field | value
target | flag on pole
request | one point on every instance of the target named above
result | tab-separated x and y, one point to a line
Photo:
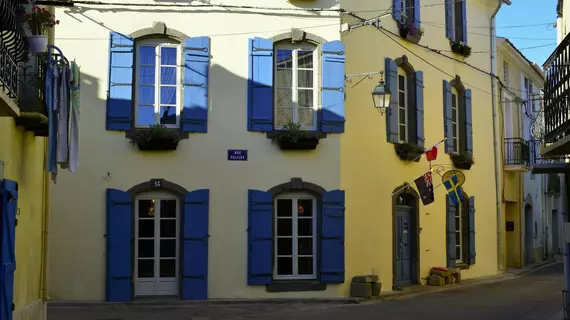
453	189
425	188
431	153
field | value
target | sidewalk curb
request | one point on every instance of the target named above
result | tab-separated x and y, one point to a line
182	304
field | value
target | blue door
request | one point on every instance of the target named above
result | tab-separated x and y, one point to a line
8	207
404	261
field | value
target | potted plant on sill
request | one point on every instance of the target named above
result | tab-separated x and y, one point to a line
410	32
462	160
408	151
157	137
293	137
461	48
38	21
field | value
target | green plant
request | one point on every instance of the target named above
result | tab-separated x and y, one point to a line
155	132
461	48
408	147
465	158
38	20
291	131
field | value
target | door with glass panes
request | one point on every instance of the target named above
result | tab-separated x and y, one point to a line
156	245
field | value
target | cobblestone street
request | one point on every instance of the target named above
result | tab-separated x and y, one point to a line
536	296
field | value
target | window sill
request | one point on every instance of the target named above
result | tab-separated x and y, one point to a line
295	286
410	34
462	266
148	142
460	49
309	142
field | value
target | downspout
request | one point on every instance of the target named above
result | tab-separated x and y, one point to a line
497	168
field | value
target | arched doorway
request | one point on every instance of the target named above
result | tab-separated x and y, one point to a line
405	238
156	244
528	235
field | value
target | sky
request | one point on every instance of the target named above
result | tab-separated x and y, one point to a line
520	19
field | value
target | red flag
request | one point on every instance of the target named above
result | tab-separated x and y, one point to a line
431	153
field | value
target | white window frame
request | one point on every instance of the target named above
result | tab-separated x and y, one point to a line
295	197
406	107
295	79
158	44
459	214
455	125
156	197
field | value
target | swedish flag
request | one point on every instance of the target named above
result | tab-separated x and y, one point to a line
454	190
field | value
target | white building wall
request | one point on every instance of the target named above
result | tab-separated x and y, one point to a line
77	235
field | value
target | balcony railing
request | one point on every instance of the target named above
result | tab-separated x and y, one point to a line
547	164
557	92
517	152
13	47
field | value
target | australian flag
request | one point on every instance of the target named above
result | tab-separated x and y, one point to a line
425	188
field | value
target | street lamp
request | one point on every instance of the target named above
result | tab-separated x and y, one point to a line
381	97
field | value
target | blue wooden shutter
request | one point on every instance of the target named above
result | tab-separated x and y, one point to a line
420	109
468	122
260	238
332	113
119	284
450	231
8	208
447	117
396	10
464	20
449	25
195	245
120	89
260	85
471	223
196	72
332	237
392	113
417	14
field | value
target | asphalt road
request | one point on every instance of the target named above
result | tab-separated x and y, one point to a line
533	297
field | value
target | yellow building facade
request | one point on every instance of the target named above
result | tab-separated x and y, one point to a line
389	231
523	202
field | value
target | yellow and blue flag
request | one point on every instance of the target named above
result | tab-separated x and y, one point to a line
453	189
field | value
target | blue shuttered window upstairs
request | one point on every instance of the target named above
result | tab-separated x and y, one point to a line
8	207
123	79
261	105
330	236
401	9
456	20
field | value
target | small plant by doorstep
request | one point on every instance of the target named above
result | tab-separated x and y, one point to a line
462	160
461	48
157	137
293	137
408	151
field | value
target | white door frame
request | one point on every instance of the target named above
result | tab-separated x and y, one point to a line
156	286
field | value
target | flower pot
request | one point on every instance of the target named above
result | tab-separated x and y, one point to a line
301	144
462	165
157	144
403	31
38	43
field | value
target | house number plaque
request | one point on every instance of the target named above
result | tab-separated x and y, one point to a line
156	183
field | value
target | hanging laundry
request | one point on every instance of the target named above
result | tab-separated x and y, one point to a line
63	118
75	84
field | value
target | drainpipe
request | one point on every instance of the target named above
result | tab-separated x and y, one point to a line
497	168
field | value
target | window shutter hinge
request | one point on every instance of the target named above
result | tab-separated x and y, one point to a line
13	306
16	223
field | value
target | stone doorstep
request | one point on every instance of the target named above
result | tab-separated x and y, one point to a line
174	302
532	267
